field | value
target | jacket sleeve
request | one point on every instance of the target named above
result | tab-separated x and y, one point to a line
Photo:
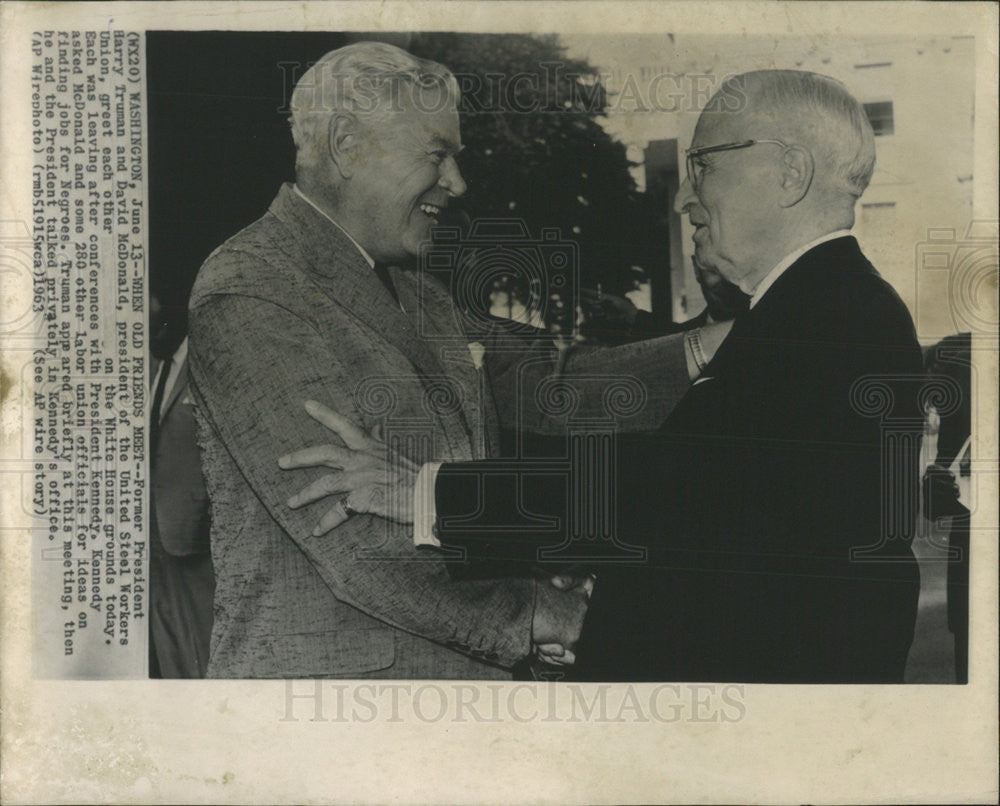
647	325
501	512
527	511
752	506
254	363
634	385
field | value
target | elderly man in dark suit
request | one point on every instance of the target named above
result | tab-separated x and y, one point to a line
776	503
315	301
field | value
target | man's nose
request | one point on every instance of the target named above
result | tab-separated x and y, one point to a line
685	196
451	178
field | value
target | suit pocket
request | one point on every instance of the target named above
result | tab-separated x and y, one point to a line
334	652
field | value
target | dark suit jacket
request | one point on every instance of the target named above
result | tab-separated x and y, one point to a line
775	505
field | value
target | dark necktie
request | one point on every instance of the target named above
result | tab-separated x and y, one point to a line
382	272
161	387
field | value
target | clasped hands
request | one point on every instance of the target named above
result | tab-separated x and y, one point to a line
368	476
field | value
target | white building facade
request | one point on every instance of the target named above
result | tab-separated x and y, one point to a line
918	93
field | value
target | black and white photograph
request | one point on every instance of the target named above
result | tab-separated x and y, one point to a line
660	510
512	374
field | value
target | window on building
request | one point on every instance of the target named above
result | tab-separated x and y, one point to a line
880	116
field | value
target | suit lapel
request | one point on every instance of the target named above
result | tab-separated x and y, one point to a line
349	282
437	317
352	285
837	256
759	325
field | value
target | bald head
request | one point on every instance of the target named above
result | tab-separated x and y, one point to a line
806	109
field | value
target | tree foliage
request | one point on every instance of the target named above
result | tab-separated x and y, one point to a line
535	149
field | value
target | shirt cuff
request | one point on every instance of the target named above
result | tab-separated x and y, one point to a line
424	509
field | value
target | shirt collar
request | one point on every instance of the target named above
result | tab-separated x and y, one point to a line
788	260
180	354
177	357
176	361
322	212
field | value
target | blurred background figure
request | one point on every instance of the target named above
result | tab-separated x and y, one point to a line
181	579
516	299
946	482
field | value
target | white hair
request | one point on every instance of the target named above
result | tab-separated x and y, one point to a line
364	79
817	110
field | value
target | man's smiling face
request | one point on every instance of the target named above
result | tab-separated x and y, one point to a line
406	174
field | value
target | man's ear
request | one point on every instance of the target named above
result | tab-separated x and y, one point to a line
342	140
797	170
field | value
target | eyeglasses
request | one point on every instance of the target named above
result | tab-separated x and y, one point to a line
695	171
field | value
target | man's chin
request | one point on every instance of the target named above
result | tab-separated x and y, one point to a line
704	258
713	263
416	243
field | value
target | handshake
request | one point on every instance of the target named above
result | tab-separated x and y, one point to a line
560	607
365	468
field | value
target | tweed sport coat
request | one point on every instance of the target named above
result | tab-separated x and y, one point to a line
286	311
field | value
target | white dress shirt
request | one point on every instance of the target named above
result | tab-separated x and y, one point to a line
176	362
424	509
